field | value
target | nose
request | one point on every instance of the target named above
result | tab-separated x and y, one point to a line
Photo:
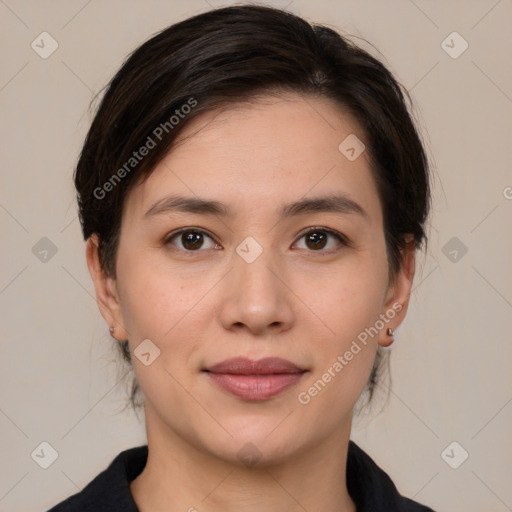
255	297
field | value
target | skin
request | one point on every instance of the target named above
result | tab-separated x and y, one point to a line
303	304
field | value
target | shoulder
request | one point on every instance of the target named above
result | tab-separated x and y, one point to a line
110	490
372	489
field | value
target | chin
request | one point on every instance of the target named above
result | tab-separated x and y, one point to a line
255	441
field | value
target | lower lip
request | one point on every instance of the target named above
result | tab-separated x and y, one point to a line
255	387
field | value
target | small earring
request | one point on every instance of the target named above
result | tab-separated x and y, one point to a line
112	330
391	332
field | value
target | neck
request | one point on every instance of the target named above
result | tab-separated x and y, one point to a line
179	477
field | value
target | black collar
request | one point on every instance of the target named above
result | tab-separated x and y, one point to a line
371	488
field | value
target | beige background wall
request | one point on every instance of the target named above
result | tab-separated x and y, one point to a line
451	362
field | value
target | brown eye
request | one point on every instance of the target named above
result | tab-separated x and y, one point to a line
191	240
317	239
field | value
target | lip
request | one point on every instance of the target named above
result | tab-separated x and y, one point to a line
245	366
255	380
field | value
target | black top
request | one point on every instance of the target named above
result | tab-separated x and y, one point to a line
371	488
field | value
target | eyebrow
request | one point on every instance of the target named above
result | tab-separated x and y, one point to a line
333	203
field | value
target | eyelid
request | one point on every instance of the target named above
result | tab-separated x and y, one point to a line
331	231
341	238
168	238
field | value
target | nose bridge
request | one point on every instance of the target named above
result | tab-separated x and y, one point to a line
253	268
253	275
255	296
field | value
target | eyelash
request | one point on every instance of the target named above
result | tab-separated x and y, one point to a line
341	238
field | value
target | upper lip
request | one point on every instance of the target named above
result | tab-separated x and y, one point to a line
265	366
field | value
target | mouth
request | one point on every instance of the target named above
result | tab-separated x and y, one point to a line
255	380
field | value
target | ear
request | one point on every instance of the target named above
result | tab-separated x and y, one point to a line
106	289
398	294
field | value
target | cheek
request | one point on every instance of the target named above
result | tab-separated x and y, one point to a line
161	308
153	299
343	358
349	304
347	300
354	342
166	306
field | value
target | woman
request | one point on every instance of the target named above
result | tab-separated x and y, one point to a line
252	192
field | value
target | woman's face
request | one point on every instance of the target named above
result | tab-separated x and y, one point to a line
278	274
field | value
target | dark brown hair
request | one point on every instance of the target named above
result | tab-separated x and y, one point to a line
232	55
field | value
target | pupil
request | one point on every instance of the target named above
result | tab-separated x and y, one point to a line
192	240
317	239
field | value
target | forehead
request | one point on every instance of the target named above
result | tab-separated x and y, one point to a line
267	151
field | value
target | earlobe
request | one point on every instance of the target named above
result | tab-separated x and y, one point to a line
398	295
105	287
390	338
